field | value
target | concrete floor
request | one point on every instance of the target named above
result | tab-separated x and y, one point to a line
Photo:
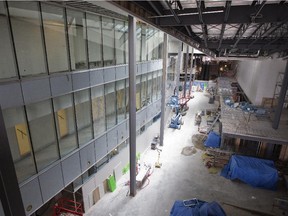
184	177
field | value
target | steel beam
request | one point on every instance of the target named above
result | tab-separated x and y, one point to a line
203	25
227	11
154	7
173	12
163	90
281	99
132	102
271	13
10	194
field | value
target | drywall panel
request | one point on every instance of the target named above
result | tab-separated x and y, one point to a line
51	182
36	90
61	84
101	147
120	72
96	77
81	80
257	78
71	168
87	157
11	95
109	74
31	196
112	139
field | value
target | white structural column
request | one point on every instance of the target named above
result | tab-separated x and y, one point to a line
186	70
163	90
191	72
132	102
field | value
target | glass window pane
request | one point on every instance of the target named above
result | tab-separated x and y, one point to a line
149	36
55	39
138	93
83	116
138	42
120	41
143	43
110	104
149	88
144	90
26	26
126	43
108	41
94	40
19	141
127	97
121	108
98	110
154	83
77	39
155	45
65	123
160	44
159	84
7	69
43	135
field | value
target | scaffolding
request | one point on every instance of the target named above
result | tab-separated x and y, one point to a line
66	207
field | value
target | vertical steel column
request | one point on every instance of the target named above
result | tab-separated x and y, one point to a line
191	72
163	90
281	99
186	69
178	67
10	194
132	102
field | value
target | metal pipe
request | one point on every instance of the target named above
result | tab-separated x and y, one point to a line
10	195
132	102
163	90
178	67
281	99
186	70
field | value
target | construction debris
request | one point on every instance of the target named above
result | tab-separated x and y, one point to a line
197	140
188	150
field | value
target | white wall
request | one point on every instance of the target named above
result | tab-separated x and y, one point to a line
257	78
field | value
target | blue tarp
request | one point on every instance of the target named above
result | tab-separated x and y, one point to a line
253	171
213	140
195	207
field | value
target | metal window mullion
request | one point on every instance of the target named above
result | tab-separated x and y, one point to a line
114	41
67	39
102	48
86	42
12	40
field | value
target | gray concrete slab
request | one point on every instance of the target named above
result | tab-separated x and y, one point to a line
182	177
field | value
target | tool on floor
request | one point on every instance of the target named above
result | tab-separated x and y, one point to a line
158	164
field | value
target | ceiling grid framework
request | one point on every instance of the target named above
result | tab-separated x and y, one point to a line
228	28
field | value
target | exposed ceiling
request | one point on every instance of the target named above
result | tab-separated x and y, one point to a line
227	28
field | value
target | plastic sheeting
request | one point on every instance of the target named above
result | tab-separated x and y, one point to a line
213	140
253	171
195	207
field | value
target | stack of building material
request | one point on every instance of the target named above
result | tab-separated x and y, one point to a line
218	158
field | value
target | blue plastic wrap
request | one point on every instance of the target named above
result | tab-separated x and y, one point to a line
195	207
253	171
213	140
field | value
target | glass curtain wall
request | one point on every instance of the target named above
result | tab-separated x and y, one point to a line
120	39
110	105
121	108
138	41
83	116
143	90
43	134
108	31
126	42
159	84
76	25
149	88
154	84
28	38
143	42
98	110
7	60
65	123
94	35
127	96
55	38
19	141
149	38
138	93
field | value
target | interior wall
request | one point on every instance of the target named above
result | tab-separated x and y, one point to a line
258	78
